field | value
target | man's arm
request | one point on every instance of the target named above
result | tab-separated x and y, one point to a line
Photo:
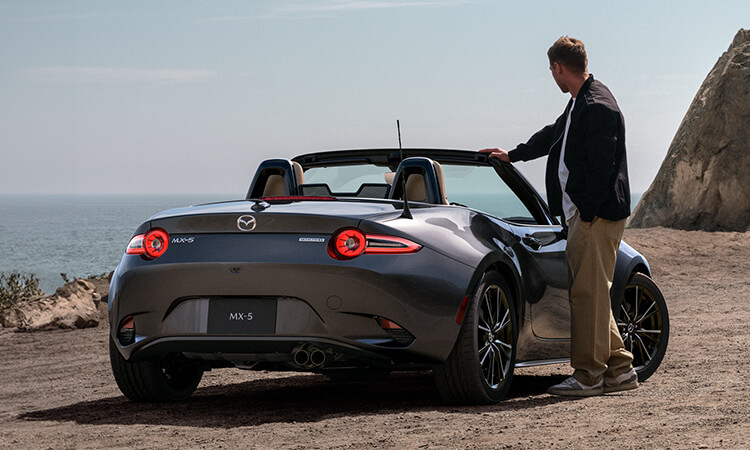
537	146
498	153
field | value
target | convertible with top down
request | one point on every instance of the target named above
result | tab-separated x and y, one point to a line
357	263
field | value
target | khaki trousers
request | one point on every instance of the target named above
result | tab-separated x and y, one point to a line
596	347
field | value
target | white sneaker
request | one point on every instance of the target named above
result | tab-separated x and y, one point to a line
574	388
622	382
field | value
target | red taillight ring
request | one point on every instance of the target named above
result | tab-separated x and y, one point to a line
151	245
155	243
348	243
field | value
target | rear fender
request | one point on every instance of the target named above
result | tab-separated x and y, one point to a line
507	266
628	262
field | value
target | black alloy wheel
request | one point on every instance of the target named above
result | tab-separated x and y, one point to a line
643	322
480	367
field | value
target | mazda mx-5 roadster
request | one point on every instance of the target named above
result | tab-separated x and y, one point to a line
354	264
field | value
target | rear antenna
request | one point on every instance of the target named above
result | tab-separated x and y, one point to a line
407	212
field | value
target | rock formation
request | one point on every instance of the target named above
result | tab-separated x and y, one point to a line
75	305
704	181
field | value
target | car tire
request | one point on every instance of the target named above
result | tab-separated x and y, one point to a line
479	369
165	379
643	321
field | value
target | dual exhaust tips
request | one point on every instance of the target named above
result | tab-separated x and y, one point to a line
309	357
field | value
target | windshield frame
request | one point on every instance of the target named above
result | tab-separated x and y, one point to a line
391	158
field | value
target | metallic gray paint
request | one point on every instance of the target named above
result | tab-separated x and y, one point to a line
422	292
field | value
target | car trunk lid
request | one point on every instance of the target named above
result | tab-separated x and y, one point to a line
284	217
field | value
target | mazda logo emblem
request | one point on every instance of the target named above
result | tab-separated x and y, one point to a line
246	223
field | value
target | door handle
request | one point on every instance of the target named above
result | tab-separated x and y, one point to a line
532	242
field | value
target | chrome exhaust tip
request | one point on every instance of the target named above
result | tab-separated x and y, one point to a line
317	357
302	358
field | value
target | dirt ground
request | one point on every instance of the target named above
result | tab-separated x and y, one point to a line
57	391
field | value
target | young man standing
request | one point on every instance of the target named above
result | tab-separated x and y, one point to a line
587	184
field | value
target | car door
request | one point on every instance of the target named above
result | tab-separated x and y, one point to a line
542	251
509	200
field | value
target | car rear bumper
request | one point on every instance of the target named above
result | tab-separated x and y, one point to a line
334	305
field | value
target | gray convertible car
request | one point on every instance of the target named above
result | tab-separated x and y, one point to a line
354	264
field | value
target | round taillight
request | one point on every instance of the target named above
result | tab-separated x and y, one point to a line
155	243
348	243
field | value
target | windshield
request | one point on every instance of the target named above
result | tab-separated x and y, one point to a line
480	188
476	187
343	180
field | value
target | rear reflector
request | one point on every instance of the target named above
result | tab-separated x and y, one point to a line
387	324
462	310
402	337
126	333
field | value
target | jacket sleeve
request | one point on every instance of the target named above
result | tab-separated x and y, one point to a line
600	127
537	146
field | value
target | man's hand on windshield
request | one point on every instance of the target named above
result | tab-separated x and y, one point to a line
498	153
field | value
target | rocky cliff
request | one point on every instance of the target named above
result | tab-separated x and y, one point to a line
704	181
78	304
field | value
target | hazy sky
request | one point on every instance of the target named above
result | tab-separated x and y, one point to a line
189	96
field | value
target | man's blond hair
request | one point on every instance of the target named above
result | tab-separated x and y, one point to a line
569	52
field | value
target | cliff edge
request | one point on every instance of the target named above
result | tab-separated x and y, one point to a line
704	181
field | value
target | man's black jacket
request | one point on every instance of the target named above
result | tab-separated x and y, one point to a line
595	156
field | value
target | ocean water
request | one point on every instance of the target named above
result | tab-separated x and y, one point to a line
79	235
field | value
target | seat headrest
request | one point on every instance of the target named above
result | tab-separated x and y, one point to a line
274	186
428	175
276	177
415	188
441	181
299	174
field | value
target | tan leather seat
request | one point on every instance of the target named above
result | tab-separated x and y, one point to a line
274	186
275	183
299	174
416	185
415	188
440	181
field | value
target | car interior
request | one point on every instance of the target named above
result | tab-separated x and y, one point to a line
424	182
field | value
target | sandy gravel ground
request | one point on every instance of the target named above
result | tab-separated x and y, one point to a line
56	389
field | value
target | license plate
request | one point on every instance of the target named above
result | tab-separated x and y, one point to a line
242	316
